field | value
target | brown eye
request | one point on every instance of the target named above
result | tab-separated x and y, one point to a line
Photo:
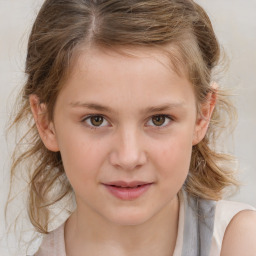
96	120
158	120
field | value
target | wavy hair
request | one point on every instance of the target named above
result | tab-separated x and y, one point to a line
180	28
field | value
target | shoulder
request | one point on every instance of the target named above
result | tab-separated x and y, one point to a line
240	235
229	219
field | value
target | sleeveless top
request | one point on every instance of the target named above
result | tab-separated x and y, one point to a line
201	228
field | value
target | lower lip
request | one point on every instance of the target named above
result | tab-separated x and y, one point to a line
128	193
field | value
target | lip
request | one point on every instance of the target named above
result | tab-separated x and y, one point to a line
128	190
125	184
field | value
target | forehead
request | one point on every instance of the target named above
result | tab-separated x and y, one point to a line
141	74
168	56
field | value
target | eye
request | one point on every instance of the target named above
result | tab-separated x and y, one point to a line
159	120
95	121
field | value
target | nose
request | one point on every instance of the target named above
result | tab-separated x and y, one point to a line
127	151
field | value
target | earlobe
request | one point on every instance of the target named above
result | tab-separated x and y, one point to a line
44	126
204	117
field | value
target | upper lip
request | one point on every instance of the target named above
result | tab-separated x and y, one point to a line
126	184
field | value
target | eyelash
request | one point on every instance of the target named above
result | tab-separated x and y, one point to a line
91	126
164	116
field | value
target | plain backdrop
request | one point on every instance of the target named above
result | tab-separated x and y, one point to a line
235	25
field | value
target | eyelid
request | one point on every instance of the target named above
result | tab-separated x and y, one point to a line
91	126
161	126
87	117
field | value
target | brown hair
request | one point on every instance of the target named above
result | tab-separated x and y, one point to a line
180	27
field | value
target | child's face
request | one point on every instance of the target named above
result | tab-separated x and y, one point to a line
127	119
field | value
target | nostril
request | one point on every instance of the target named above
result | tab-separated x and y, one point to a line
127	160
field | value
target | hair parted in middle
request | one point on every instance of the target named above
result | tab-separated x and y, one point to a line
179	28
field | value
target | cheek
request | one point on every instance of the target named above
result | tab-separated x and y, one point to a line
172	158
82	158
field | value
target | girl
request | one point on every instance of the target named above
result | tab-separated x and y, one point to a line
126	117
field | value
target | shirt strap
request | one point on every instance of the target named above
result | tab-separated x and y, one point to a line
198	227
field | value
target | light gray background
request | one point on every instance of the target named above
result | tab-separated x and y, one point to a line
235	24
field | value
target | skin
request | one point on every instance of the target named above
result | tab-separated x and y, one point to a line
240	235
128	92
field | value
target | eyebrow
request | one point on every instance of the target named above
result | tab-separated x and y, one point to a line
164	107
92	106
151	109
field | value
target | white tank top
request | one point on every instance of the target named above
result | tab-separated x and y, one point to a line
220	214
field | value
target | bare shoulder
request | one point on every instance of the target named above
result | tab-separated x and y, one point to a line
240	236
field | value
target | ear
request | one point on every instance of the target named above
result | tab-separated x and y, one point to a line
204	117
44	126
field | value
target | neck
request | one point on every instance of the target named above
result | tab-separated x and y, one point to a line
92	234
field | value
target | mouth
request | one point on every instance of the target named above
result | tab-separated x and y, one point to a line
124	184
127	187
128	190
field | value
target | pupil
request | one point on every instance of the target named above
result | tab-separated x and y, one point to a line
158	120
97	120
